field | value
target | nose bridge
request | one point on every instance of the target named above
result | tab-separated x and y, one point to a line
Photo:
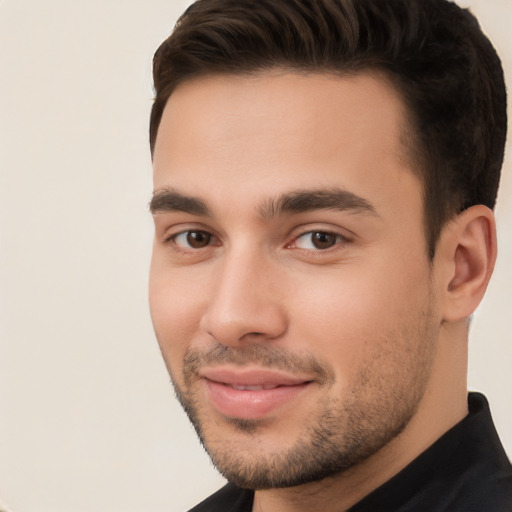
242	304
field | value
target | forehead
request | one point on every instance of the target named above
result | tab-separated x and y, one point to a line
266	130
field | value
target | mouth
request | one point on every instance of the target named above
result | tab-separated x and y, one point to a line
253	388
251	393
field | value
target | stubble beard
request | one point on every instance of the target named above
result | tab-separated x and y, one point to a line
341	435
341	439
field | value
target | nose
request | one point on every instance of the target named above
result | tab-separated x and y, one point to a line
244	305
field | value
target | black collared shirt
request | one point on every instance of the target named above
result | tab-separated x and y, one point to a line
465	470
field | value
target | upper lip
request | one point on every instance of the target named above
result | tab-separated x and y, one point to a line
253	376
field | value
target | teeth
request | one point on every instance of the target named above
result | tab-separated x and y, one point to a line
254	388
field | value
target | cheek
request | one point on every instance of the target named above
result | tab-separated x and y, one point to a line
176	308
353	315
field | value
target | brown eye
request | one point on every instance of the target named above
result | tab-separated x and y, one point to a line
198	239
318	240
322	240
193	239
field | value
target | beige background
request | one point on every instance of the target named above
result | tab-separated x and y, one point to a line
88	421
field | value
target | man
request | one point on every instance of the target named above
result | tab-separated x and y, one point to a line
324	178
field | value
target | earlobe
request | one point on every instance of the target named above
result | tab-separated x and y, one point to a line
468	255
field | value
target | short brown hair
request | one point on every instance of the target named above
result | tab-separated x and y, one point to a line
447	71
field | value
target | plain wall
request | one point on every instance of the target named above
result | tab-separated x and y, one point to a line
88	421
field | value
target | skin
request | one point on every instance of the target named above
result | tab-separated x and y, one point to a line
375	330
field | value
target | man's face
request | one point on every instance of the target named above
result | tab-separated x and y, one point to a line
290	288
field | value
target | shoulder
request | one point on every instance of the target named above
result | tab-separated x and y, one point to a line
478	474
466	470
229	498
492	494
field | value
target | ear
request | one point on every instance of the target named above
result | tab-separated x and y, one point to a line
467	253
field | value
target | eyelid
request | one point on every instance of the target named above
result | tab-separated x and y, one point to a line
311	247
343	237
306	230
169	230
170	235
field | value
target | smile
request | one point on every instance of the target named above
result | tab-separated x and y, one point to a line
252	393
253	388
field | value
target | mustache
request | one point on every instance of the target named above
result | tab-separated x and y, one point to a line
259	355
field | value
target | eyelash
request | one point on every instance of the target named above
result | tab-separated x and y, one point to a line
339	240
186	250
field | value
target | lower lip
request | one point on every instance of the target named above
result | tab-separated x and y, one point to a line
250	404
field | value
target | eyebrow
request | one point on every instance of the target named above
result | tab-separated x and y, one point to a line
294	202
169	200
302	201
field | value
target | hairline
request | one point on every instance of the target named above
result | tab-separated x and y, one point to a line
412	153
